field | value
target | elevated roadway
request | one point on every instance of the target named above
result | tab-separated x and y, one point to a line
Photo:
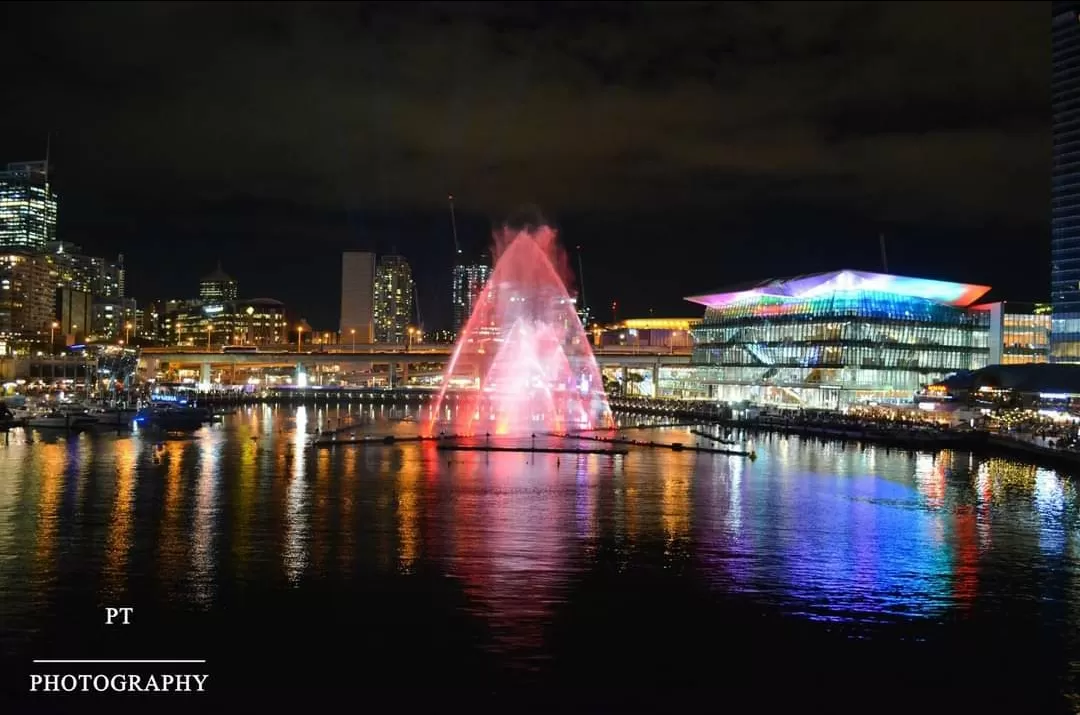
385	355
392	356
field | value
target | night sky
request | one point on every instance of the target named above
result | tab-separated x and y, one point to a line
683	147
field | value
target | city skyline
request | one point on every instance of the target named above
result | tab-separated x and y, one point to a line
883	143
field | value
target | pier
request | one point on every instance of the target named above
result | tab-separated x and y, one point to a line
550	450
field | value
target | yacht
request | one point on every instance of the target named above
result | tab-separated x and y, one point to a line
58	419
168	416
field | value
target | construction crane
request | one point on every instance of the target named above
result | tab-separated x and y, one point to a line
453	225
581	279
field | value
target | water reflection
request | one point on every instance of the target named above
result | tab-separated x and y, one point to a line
828	532
512	549
408	513
296	517
204	534
52	463
173	542
119	543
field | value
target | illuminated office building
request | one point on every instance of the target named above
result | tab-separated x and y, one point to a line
468	281
392	300
255	321
70	268
672	333
1019	332
827	340
1065	192
27	297
27	207
112	317
217	287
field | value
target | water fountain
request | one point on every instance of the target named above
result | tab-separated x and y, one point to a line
522	363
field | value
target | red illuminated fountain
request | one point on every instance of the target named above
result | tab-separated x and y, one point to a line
522	363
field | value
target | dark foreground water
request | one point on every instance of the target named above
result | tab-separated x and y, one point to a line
408	578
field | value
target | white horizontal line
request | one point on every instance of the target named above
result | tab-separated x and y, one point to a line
121	660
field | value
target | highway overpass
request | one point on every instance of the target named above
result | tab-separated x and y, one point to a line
394	357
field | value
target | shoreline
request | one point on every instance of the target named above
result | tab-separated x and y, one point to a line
897	438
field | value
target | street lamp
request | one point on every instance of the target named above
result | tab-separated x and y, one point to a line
209	331
299	333
52	337
353	332
127	333
250	311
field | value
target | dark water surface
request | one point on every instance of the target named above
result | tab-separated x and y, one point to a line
818	574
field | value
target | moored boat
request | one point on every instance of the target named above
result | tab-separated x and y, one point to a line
171	417
61	420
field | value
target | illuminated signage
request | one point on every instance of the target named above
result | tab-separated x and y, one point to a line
213	309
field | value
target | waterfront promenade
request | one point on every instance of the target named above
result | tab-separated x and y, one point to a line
915	435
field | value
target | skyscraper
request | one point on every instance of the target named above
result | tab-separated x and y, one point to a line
218	287
1065	213
393	300
27	207
468	281
357	293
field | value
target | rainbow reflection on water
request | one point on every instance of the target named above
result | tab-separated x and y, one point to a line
523	362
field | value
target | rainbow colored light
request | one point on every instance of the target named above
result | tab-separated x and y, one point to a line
821	285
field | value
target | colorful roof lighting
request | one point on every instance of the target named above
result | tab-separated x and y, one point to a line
819	285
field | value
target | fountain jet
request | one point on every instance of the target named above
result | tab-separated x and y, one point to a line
522	363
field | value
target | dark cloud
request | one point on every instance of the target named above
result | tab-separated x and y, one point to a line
897	113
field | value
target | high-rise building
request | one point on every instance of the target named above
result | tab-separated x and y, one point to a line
468	280
27	296
393	300
27	207
70	268
218	287
1065	213
74	312
114	319
357	294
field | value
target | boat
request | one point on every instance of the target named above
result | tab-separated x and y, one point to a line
61	420
113	418
166	416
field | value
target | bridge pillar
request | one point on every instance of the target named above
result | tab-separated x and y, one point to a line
204	374
404	373
390	374
625	380
656	378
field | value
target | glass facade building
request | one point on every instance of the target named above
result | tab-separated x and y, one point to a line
1019	332
1065	193
393	300
468	281
831	339
27	207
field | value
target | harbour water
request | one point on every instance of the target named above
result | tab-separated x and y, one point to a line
818	573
